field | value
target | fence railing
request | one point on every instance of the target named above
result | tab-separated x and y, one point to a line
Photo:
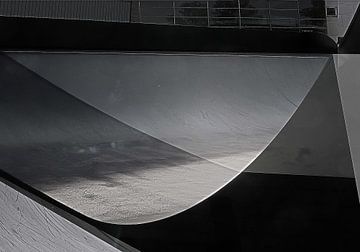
298	15
301	15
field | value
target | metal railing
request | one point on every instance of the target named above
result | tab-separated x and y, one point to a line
298	15
276	14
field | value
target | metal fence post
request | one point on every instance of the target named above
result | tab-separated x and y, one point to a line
208	13
298	9
139	6
239	14
269	6
174	12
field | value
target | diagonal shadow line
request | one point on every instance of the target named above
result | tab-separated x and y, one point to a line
167	143
113	118
179	147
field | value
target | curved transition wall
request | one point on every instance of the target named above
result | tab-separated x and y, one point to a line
173	128
221	108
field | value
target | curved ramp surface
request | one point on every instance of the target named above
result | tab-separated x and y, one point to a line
91	162
212	114
275	212
221	108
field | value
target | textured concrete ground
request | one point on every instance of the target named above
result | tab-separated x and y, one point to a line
26	225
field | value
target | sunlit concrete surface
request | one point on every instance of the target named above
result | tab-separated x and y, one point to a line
91	162
26	225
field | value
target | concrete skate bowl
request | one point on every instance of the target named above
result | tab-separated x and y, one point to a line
136	138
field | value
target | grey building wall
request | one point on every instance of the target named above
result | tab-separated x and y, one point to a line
99	10
337	26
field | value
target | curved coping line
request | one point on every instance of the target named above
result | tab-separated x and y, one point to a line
187	54
237	172
199	54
